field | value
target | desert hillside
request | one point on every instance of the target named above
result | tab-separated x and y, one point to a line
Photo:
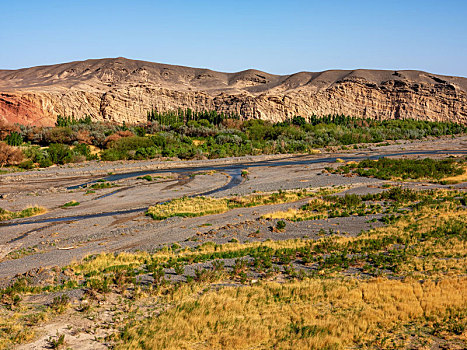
120	89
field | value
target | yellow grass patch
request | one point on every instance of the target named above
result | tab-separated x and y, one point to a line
288	214
299	214
94	149
199	142
188	207
106	260
458	178
309	314
13	331
199	206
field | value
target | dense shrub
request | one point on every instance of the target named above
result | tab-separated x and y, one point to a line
9	155
14	139
84	136
38	155
113	138
387	168
187	134
60	135
84	150
6	129
113	154
59	153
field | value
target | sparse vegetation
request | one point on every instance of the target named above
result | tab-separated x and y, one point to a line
388	202
70	204
57	342
145	177
200	206
280	225
31	211
101	184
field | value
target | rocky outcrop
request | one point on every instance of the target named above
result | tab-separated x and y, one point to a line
124	90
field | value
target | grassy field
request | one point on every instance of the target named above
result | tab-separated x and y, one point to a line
401	285
309	314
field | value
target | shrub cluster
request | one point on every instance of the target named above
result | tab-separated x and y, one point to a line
186	134
388	168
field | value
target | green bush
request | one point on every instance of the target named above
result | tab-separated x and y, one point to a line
59	153
113	154
387	168
83	150
14	139
27	164
280	225
132	143
60	135
45	162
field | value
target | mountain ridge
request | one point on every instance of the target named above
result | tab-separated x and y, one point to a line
120	89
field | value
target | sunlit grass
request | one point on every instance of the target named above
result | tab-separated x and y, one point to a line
30	211
407	289
309	314
200	206
188	207
456	179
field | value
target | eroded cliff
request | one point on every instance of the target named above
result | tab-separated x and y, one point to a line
124	90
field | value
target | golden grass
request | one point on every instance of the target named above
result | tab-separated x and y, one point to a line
14	331
188	207
300	214
100	262
200	206
309	314
289	214
199	142
27	212
457	179
105	260
330	313
427	219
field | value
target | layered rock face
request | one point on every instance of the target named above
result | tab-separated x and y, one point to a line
124	90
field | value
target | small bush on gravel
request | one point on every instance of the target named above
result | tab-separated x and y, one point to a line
280	225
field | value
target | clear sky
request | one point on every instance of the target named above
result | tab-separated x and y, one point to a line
274	36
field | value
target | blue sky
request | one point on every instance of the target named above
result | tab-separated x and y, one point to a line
275	36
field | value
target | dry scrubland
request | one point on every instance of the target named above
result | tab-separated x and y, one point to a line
398	286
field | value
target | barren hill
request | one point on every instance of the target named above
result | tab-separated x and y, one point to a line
120	89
